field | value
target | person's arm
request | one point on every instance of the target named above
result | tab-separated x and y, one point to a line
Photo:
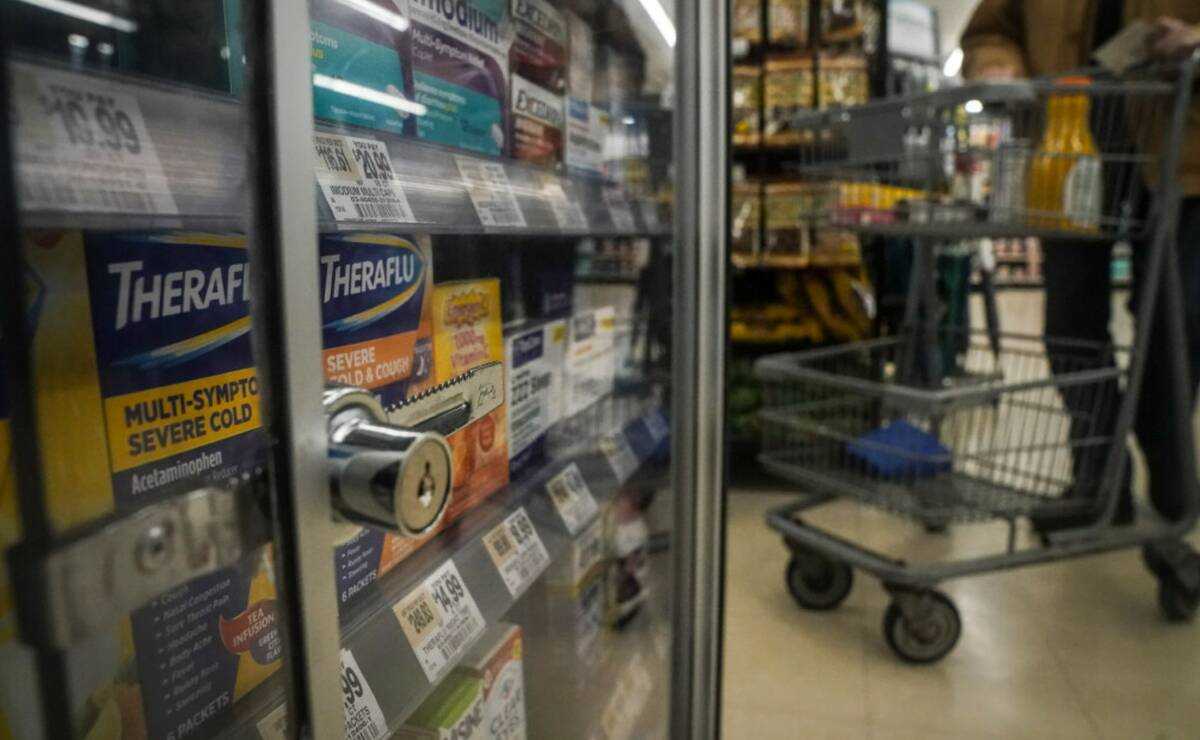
993	42
1173	39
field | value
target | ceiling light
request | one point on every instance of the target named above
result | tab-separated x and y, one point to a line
86	13
954	63
369	95
663	21
973	106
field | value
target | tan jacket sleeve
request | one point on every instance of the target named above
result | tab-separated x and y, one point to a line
995	37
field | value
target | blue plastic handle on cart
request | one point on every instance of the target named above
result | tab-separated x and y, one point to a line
901	449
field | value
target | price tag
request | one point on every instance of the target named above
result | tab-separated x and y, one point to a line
567	211
274	725
620	456
358	182
491	194
517	551
440	620
572	498
82	145
657	425
364	717
650	215
618	209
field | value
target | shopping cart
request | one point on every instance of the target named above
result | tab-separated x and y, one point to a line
948	427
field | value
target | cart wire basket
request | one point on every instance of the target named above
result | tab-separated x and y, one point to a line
946	428
1001	436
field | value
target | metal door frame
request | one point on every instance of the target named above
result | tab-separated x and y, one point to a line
698	397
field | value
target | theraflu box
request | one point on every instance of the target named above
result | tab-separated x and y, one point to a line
356	57
537	123
539	50
373	288
460	72
142	342
145	388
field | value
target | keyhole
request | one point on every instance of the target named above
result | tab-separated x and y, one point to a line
425	494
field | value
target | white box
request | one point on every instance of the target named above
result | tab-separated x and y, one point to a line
587	131
535	357
497	660
590	366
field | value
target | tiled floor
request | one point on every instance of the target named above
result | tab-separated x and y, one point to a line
1074	650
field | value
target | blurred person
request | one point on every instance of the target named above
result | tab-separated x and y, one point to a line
1008	39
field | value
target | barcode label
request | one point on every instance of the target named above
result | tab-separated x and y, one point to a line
567	211
572	498
82	145
358	182
441	620
364	717
620	456
517	551
491	193
618	210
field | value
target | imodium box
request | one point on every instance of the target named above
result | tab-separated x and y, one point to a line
590	362
535	360
460	72
373	289
537	123
357	59
539	50
146	388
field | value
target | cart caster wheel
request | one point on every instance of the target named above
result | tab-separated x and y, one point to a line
929	631
817	582
1177	602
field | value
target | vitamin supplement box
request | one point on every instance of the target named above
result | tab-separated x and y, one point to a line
590	359
535	363
483	699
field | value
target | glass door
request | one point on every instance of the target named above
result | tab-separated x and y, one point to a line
339	345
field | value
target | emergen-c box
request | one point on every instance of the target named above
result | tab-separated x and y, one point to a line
146	388
535	363
482	699
590	359
373	290
357	59
537	123
460	72
539	50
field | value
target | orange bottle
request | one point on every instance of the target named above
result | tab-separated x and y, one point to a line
1064	187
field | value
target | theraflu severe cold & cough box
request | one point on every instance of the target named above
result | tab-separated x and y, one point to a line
460	72
374	289
145	387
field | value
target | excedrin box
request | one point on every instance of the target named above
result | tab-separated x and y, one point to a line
146	388
373	290
355	53
581	67
590	361
460	72
535	362
539	50
537	123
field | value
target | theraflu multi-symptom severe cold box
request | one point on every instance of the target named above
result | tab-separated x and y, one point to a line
357	60
145	387
142	342
373	290
460	72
